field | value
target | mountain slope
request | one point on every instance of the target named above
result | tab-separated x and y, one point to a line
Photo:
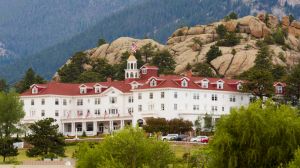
156	19
29	26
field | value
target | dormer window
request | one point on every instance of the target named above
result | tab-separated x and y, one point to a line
239	87
34	90
204	84
184	83
97	89
220	85
83	90
144	71
279	89
153	83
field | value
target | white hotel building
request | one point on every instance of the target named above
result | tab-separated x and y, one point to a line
103	107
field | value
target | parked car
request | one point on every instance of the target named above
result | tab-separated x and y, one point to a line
202	139
169	137
180	138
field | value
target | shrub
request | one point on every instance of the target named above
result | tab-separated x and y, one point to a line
213	53
230	39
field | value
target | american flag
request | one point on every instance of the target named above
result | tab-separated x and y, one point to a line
133	47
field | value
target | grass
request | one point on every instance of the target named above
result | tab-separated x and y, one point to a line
179	150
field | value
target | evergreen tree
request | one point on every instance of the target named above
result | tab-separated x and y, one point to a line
147	51
7	148
165	61
45	139
259	78
221	31
90	76
213	53
101	41
293	84
203	70
3	86
29	79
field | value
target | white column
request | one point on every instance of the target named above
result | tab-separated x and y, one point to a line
73	128
95	128
122	124
84	126
111	126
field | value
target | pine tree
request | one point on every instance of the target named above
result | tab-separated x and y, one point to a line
165	61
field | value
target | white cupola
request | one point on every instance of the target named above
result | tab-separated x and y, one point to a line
132	71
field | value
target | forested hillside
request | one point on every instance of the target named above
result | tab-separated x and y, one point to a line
156	19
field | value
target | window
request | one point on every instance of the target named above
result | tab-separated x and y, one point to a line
144	71
32	113
279	89
223	108
79	102
113	111
184	83
239	86
242	98
140	96
204	84
162	106
43	113
214	97
140	108
78	127
175	95
153	83
34	90
97	100
97	89
220	85
56	113
232	98
130	110
151	95
151	107
130	99
113	100
214	108
97	112
89	126
196	107
175	107
32	102
83	90
56	102
196	96
64	102
43	102
162	95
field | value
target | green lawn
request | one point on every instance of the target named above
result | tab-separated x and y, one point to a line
178	149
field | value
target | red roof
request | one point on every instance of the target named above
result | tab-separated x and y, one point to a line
163	81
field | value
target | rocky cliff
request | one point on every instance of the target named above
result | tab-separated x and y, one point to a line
182	44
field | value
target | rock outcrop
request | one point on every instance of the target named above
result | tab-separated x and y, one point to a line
184	45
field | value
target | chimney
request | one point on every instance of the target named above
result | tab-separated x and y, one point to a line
189	73
108	79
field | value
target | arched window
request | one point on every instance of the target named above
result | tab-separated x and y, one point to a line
153	83
131	65
131	75
127	75
184	83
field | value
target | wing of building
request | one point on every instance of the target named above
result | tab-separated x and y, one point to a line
107	106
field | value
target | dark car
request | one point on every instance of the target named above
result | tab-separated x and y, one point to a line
180	138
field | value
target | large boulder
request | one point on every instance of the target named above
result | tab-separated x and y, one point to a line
195	30
231	25
294	28
285	21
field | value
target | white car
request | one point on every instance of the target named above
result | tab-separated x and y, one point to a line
202	139
169	137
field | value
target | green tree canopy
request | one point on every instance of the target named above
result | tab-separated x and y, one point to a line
129	148
221	31
29	78
46	140
101	41
293	83
4	87
11	112
203	70
257	136
165	61
213	53
148	51
155	125
260	78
